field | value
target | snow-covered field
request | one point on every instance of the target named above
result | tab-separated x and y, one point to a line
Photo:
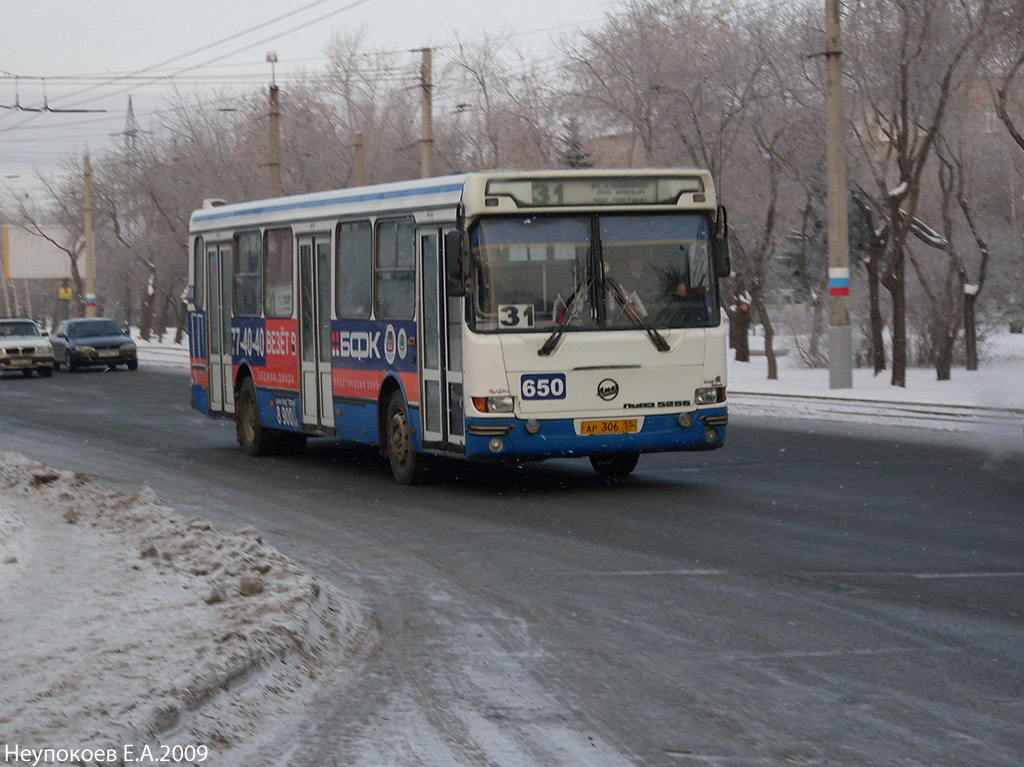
126	626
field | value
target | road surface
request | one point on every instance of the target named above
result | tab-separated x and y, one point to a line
802	596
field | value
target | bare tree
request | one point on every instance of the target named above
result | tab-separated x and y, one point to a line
909	59
498	110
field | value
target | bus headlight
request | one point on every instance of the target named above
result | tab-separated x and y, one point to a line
493	404
709	395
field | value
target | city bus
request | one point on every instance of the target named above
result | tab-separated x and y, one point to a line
492	316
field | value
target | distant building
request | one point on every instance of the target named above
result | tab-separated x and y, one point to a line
26	255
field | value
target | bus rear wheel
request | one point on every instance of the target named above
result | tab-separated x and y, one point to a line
408	466
254	438
612	466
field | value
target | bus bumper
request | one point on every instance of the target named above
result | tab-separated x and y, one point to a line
508	438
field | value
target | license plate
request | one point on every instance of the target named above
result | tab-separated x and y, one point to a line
20	363
618	426
108	354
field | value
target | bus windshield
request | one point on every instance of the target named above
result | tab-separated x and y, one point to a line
584	272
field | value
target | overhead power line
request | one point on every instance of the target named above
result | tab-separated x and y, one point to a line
200	49
234	52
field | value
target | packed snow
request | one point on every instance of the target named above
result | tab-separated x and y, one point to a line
126	627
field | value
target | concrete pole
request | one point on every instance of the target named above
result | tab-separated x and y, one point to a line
360	161
5	271
90	243
427	122
840	349
275	144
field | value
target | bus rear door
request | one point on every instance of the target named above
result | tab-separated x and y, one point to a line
315	329
221	383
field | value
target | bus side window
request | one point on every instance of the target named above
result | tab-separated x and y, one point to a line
248	271
396	268
354	270
277	296
198	274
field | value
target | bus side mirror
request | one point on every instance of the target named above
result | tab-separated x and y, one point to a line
720	255
720	245
453	263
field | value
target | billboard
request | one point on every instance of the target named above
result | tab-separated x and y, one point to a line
28	255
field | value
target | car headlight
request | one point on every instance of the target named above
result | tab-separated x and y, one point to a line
128	347
709	395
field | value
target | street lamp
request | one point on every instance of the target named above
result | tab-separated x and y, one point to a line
272	59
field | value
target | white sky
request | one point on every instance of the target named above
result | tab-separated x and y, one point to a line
59	39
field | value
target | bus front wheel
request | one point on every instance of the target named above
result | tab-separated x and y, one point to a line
254	438
407	465
612	466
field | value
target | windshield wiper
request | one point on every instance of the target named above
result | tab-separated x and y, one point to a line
571	308
633	308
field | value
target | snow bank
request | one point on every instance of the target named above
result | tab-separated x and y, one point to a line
125	624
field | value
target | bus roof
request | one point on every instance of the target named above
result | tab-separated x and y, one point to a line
364	199
445	191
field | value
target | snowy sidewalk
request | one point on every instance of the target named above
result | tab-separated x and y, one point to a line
988	402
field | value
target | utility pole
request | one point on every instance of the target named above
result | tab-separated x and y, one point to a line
427	122
840	341
131	132
90	243
360	161
275	139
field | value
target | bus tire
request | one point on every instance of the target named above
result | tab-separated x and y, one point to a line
252	435
612	466
407	465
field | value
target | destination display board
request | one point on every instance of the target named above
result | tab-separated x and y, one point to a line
636	190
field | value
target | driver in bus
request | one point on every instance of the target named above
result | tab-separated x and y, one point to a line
641	276
638	282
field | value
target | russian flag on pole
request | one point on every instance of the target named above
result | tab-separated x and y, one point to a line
839	282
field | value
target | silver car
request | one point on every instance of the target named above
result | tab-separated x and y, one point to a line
24	348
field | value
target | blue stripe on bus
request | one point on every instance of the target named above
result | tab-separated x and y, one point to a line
557	438
203	217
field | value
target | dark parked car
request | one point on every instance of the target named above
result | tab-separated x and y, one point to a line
23	347
92	341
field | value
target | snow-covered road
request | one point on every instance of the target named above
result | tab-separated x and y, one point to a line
125	625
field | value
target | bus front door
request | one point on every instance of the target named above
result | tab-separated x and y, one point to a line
440	350
221	383
315	329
